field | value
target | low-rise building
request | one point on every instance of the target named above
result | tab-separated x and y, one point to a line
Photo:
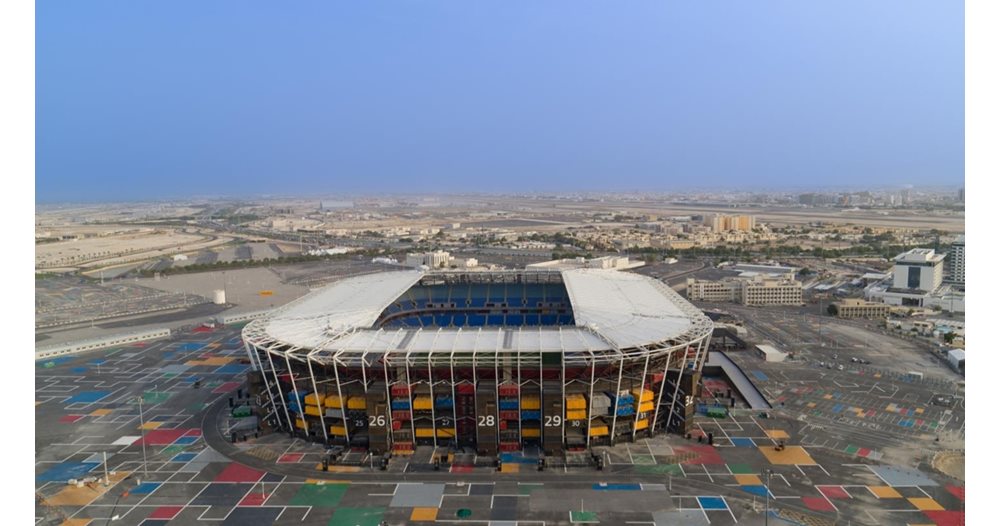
856	308
706	290
766	291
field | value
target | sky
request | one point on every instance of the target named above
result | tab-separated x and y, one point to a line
163	100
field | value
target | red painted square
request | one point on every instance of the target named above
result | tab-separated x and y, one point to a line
870	413
254	498
239	473
160	437
833	492
818	504
461	469
864	452
202	329
166	512
69	419
958	491
946	518
140	344
226	387
706	455
193	433
920	422
290	458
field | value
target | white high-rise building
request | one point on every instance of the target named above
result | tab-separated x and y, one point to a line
956	262
919	269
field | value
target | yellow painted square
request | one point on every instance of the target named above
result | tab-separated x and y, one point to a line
792	455
920	410
192	363
510	468
811	404
748	480
925	504
424	514
100	412
828	397
885	492
216	361
777	434
151	425
76	522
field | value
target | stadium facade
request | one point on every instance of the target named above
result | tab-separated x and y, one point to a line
496	360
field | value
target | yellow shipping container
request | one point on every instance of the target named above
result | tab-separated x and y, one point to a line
338	430
645	407
299	423
531	402
576	414
424	432
576	401
314	399
642	424
333	402
356	402
446	432
312	410
598	431
422	403
531	432
646	396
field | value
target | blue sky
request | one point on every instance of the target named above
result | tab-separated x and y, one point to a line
139	100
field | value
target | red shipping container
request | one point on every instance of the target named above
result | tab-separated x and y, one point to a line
508	415
503	425
466	389
396	424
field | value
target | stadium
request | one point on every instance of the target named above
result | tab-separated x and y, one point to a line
491	360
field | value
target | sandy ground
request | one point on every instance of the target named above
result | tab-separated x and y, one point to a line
243	287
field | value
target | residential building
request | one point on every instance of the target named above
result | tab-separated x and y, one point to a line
956	263
762	290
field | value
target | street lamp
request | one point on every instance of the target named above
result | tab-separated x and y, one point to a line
142	431
767	492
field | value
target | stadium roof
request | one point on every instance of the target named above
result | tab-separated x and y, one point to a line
613	310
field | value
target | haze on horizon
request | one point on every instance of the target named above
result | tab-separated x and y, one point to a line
153	101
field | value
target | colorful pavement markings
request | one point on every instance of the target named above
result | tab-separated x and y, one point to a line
617	487
577	517
884	492
747	480
236	472
64	471
926	504
741	469
145	488
70	419
155	397
743	442
510	468
357	517
165	512
706	455
150	425
226	387
759	490
958	491
833	492
290	458
84	495
254	498
100	412
183	457
160	437
87	397
792	455
818	504
424	514
712	503
319	495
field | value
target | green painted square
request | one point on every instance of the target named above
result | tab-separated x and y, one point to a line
319	495
643	459
169	375
526	489
663	469
934	425
583	516
742	469
357	517
851	449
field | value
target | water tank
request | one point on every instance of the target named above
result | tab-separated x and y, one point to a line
219	297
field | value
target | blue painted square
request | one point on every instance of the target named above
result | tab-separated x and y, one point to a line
617	487
838	408
759	490
759	375
145	488
743	442
183	457
160	418
78	370
66	470
100	361
232	369
183	441
87	397
712	503
190	347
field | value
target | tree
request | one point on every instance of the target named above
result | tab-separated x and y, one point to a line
949	337
831	309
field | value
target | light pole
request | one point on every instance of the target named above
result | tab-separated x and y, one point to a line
767	493
142	431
